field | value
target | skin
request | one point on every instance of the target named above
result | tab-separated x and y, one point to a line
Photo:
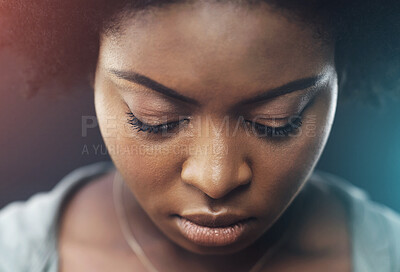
204	52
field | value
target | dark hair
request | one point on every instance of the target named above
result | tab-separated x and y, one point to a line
60	38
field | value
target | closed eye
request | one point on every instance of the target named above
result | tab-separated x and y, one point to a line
271	131
159	128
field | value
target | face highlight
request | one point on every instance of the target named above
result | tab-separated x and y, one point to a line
189	90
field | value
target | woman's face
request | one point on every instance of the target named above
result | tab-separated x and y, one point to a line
210	70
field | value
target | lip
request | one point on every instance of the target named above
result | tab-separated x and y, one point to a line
213	230
213	220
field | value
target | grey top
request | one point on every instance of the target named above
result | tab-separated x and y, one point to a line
28	229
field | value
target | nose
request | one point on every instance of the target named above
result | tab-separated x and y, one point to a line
217	166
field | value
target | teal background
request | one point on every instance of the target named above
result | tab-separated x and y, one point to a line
364	148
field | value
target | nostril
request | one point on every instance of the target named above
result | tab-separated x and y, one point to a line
215	198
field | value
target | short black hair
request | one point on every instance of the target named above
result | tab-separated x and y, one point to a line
60	38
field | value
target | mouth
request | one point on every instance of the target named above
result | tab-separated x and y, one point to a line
213	230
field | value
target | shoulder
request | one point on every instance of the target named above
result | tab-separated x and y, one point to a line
27	228
375	228
95	199
23	227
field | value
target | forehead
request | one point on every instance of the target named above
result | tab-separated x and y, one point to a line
218	45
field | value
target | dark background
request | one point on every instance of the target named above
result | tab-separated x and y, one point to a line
41	141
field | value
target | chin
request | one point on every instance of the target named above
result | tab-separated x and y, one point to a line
215	250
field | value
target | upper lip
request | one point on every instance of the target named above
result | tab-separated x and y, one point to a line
215	220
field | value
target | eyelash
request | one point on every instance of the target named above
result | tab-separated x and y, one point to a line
161	128
285	130
262	130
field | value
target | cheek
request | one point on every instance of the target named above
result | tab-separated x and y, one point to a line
281	168
148	167
150	171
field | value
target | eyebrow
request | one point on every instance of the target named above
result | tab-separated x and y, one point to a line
154	85
296	85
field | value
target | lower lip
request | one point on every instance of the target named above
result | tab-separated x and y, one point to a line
212	236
